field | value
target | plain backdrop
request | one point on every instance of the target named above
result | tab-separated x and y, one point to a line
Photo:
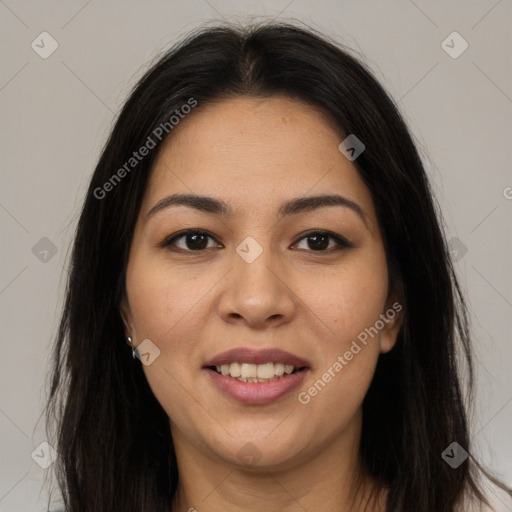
57	110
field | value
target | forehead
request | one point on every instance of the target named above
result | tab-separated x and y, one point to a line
252	151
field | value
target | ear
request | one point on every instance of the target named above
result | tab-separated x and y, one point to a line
126	316
392	317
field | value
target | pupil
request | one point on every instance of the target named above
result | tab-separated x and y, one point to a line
318	245
194	244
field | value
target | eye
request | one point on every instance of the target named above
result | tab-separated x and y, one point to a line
196	240
193	240
318	241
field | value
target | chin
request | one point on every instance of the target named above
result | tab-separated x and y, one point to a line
260	448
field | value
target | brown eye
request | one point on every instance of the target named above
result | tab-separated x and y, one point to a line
318	241
193	240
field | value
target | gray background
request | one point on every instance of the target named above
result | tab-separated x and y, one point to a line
57	112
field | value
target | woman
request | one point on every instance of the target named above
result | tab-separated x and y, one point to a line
261	232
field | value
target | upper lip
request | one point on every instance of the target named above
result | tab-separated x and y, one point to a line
253	356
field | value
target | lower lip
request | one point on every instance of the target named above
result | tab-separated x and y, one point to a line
257	392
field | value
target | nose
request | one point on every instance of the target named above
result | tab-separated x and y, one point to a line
259	294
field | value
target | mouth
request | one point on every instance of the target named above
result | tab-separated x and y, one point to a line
247	372
256	376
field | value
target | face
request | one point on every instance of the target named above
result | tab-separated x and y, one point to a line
302	284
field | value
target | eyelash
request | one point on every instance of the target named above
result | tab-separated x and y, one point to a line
170	241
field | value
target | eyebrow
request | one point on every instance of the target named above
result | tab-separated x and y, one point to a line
294	206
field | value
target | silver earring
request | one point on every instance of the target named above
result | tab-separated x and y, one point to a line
129	341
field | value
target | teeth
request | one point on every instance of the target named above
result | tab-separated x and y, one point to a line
235	370
265	371
246	372
279	369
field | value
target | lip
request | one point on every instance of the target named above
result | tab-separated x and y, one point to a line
257	392
252	356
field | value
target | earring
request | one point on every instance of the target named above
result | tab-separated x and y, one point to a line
129	341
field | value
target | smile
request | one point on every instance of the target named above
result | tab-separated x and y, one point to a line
247	372
252	376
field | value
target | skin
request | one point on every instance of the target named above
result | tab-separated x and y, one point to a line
256	153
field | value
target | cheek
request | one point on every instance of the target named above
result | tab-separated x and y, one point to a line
336	395
349	298
163	300
166	309
348	345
